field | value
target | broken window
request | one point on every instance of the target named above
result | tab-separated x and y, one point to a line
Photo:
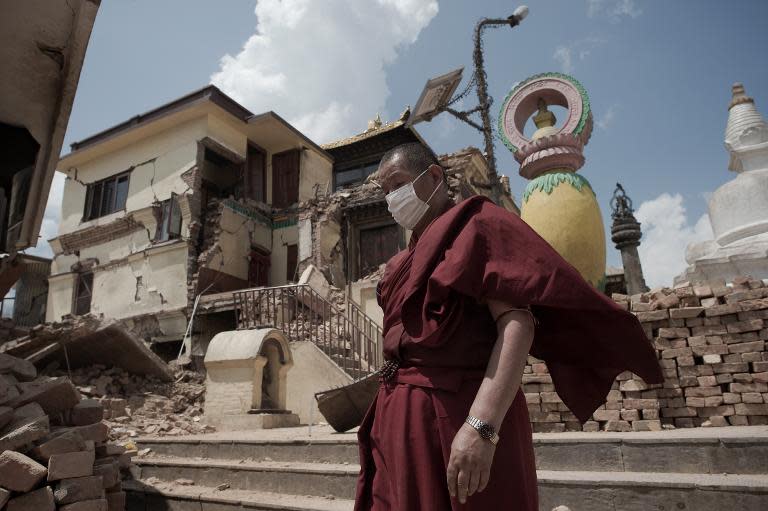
106	196
169	227
293	262
83	294
285	178
221	174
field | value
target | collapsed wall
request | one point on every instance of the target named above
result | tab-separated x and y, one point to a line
711	343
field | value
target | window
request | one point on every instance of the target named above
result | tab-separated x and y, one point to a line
377	245
258	268
169	225
293	262
285	179
354	176
106	196
83	294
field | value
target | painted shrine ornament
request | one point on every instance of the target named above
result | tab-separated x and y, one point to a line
567	146
558	203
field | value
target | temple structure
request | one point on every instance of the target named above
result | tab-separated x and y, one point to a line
738	210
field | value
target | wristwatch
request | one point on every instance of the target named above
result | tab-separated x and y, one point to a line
486	430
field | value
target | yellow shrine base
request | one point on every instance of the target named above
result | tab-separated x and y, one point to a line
562	208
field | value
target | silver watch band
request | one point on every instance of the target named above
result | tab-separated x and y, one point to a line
486	430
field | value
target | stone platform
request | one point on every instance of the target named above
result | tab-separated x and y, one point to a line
289	469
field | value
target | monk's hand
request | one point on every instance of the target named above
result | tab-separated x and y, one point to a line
470	464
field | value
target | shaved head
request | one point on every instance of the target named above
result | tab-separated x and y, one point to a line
413	156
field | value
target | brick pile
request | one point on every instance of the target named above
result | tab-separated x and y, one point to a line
54	452
137	405
711	343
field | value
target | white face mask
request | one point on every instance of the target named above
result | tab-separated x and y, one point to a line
406	207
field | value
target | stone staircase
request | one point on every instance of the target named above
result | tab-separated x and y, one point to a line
723	469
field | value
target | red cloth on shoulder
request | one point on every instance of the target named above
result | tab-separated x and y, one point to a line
480	250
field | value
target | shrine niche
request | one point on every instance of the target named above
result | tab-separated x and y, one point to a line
247	377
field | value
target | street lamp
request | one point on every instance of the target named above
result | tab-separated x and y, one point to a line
437	94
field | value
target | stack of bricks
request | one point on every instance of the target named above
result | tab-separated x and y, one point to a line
710	340
53	446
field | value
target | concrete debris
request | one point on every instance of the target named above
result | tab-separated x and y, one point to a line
84	341
53	446
140	405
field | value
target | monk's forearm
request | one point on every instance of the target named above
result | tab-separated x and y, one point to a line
505	368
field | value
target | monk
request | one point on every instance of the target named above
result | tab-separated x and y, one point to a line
474	293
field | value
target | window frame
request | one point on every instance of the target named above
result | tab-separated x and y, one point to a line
95	206
81	277
166	230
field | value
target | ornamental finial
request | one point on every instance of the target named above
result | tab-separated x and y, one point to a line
739	95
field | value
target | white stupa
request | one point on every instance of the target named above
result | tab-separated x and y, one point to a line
738	210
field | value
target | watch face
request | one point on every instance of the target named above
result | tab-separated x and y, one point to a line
486	431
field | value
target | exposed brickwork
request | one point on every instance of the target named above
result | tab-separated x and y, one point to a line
711	343
98	234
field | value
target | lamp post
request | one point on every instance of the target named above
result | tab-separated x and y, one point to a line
482	86
436	96
484	101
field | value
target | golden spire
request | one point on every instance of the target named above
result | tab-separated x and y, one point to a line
545	121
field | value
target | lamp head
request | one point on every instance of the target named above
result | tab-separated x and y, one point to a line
518	16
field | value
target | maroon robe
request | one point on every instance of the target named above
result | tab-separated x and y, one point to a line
435	323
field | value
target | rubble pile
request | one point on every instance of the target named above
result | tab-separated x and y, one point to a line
9	330
54	450
711	343
144	405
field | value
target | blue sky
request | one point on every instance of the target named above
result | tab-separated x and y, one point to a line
658	74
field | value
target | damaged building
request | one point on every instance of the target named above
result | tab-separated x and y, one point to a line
169	216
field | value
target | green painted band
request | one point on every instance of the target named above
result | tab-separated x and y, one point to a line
549	181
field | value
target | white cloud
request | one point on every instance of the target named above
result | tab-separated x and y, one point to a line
666	234
563	54
51	219
615	10
605	121
322	64
566	55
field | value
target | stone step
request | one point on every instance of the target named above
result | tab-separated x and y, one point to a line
291	478
713	451
145	497
580	490
642	491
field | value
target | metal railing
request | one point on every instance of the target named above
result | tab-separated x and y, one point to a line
350	338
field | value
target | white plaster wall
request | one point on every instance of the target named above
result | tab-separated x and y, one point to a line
363	293
238	234
281	238
116	293
60	295
228	132
174	150
163	283
312	372
314	169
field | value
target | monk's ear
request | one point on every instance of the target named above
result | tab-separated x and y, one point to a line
438	173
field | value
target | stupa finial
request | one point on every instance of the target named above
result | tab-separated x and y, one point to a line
739	95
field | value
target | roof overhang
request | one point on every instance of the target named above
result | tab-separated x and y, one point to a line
42	48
